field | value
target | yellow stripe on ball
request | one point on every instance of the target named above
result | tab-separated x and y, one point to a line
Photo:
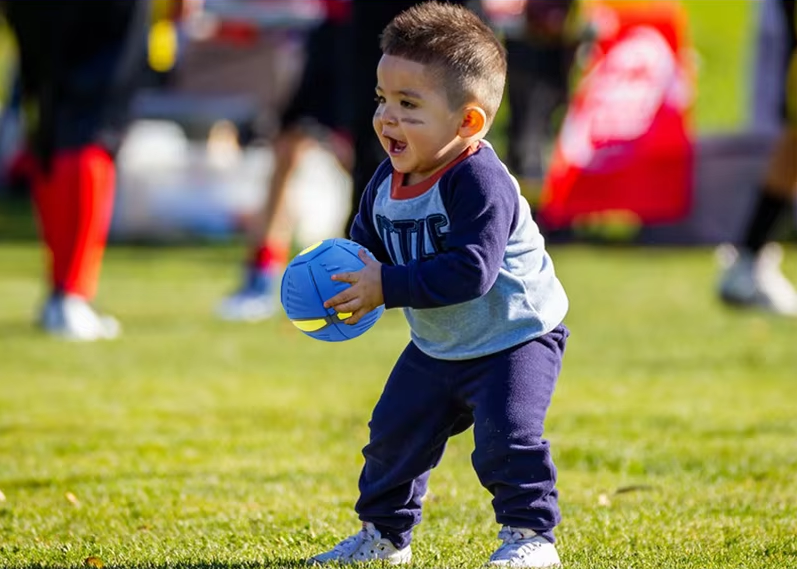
309	325
310	248
344	315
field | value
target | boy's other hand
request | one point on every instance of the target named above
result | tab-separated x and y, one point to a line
365	292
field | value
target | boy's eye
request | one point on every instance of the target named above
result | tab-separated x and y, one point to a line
379	99
408	105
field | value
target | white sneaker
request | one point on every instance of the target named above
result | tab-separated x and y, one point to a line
252	302
72	318
756	280
524	548
367	545
244	307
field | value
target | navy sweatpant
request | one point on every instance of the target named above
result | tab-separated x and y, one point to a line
504	396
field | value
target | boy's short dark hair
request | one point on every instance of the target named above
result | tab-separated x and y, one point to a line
469	59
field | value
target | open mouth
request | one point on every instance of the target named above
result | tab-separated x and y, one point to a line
395	147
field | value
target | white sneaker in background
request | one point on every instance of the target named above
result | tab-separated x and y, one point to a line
367	545
72	318
756	280
245	307
253	302
524	548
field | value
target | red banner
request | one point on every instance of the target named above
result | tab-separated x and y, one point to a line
625	144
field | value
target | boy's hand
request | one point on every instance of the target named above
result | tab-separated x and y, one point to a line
365	292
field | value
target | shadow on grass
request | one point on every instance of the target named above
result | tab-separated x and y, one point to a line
265	564
72	481
276	563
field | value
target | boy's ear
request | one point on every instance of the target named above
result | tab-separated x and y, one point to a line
473	122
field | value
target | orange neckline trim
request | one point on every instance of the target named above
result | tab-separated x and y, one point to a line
401	192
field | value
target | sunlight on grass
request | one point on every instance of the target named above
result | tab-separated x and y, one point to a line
194	443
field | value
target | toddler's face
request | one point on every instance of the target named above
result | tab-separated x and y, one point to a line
413	120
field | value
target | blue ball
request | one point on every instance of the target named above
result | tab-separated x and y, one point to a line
307	283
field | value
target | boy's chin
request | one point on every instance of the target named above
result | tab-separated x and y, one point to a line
398	167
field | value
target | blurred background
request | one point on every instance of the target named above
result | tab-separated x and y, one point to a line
247	123
196	158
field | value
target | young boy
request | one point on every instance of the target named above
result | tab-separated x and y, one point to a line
456	247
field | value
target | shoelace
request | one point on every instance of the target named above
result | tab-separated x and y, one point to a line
349	546
508	535
512	539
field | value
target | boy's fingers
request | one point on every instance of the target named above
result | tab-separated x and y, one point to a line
345	277
339	298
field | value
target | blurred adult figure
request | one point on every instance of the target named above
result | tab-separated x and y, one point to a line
318	113
752	276
79	62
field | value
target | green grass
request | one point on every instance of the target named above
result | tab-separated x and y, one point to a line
193	443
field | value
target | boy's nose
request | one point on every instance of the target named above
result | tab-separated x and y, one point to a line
389	118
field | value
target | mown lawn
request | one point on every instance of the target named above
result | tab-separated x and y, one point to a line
195	443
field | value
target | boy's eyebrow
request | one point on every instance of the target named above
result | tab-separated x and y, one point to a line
404	93
410	94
